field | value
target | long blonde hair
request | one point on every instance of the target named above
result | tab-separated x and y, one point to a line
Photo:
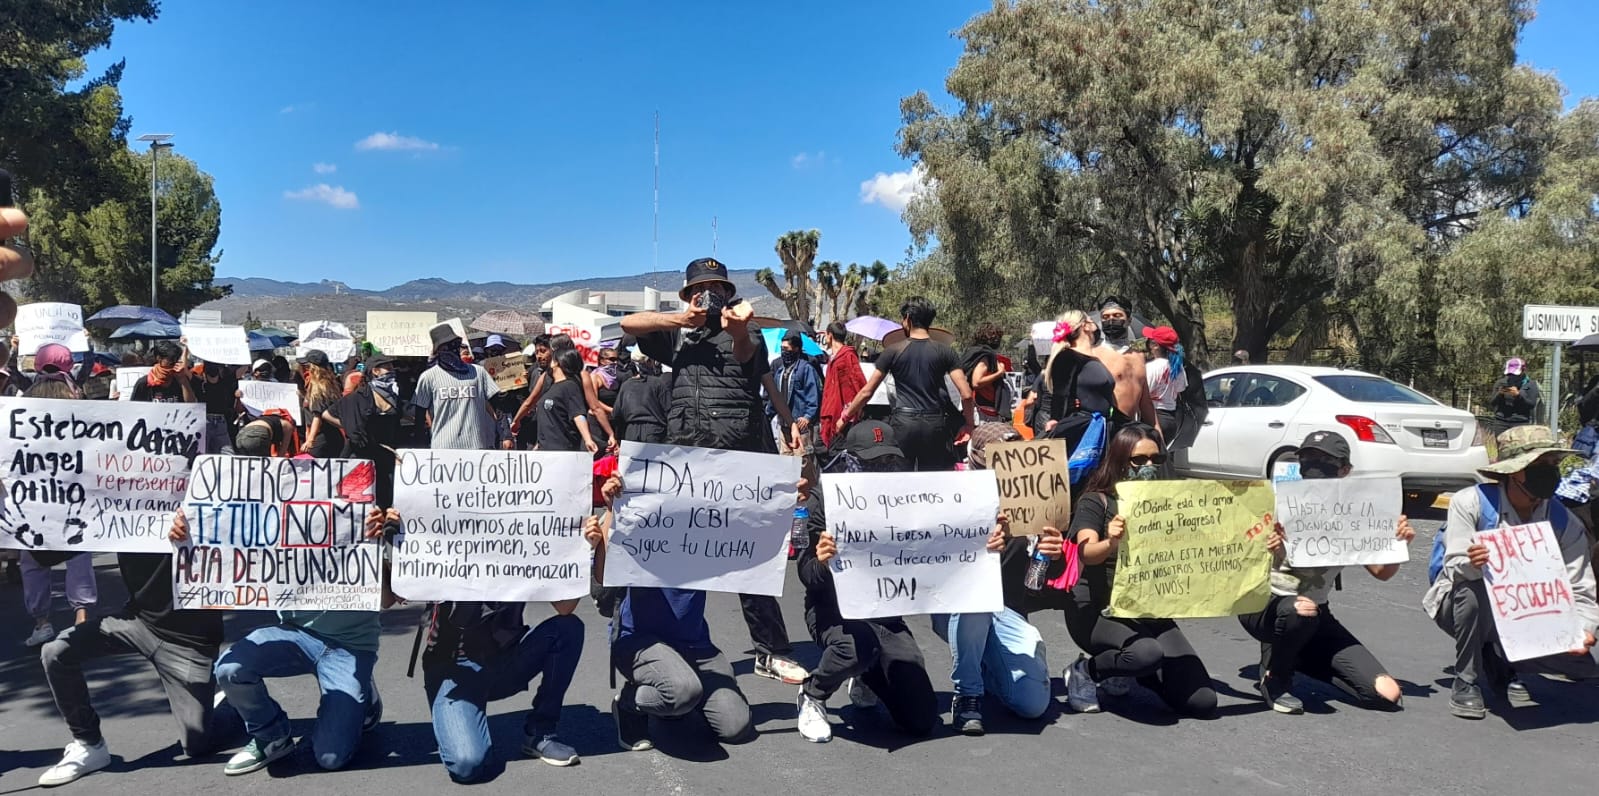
321	387
1078	320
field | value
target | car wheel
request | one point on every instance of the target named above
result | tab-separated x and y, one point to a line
1284	455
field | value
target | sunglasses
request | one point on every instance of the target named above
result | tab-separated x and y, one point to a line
1140	461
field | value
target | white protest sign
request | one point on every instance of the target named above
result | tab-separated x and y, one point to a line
278	534
94	475
127	379
504	526
261	396
1529	591
224	345
697	518
401	334
50	322
333	339
587	328
1334	522
913	543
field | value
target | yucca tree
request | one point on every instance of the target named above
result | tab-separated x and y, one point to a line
797	251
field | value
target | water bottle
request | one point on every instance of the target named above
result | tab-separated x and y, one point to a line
1037	570
799	536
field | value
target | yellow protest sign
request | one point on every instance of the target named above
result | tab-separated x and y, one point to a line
1193	549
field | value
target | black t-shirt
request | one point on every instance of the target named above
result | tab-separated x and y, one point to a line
557	406
219	399
919	367
171	392
1094	511
148	577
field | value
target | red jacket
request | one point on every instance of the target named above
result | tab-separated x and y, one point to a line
844	381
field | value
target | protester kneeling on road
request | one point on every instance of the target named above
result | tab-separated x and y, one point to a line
1154	652
1525	479
661	645
339	647
878	658
1297	630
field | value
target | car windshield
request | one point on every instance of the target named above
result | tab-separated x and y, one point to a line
1373	390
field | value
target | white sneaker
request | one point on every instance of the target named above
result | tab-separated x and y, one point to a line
42	634
79	759
1117	686
860	694
813	725
1082	694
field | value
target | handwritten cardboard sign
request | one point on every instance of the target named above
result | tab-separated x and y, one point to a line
913	545
1033	484
508	371
492	525
697	518
50	322
278	534
94	475
1529	591
1331	522
401	334
224	345
1193	549
262	396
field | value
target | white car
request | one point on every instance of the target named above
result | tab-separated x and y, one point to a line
1259	414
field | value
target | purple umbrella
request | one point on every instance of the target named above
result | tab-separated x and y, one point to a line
871	326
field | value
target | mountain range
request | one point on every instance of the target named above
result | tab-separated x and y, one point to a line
271	300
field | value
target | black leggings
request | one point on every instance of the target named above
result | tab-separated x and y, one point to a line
883	653
1316	646
1152	650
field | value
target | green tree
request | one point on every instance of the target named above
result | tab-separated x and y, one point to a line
797	251
1285	156
58	124
101	256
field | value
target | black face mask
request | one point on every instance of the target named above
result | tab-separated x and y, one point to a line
1541	480
1315	470
1115	330
790	357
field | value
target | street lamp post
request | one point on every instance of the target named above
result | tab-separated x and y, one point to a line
158	142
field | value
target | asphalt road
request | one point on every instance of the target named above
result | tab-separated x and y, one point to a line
1133	747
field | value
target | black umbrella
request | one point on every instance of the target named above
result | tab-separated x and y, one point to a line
1589	344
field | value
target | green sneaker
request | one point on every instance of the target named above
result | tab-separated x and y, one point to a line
254	757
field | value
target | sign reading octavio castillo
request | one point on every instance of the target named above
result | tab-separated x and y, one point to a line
1556	324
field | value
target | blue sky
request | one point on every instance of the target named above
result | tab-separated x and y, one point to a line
377	142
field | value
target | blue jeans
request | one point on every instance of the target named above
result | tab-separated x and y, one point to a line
459	692
1001	654
344	677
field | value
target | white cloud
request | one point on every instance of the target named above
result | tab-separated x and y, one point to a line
809	160
328	194
394	142
324	168
895	191
304	106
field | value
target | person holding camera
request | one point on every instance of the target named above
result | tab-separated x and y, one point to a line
719	368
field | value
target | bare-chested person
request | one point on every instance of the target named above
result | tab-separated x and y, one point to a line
1132	390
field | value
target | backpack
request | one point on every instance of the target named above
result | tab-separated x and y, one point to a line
1488	517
